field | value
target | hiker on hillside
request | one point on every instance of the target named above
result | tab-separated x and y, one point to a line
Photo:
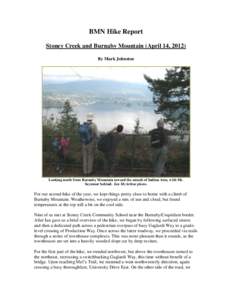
56	148
159	144
65	143
108	145
60	146
88	134
64	149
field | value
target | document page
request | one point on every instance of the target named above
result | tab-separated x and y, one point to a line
115	150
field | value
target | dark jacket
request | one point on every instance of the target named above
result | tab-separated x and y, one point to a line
158	137
115	140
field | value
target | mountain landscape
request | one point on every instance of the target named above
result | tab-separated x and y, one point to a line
86	92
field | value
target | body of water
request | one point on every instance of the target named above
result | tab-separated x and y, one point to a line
107	116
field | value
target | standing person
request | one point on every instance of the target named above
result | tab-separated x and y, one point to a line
56	147
108	145
88	133
63	152
159	144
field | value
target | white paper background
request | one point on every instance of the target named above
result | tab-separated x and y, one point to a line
26	26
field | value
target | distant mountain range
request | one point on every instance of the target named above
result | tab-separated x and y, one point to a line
97	88
101	92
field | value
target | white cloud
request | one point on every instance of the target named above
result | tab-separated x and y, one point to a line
130	74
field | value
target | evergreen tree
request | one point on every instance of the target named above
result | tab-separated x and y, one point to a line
171	97
68	123
137	126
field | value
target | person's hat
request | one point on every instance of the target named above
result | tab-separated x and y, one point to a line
160	123
89	117
119	128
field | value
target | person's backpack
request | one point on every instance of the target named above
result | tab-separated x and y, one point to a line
105	143
56	145
86	133
155	138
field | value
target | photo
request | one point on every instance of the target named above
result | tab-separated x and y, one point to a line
116	121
